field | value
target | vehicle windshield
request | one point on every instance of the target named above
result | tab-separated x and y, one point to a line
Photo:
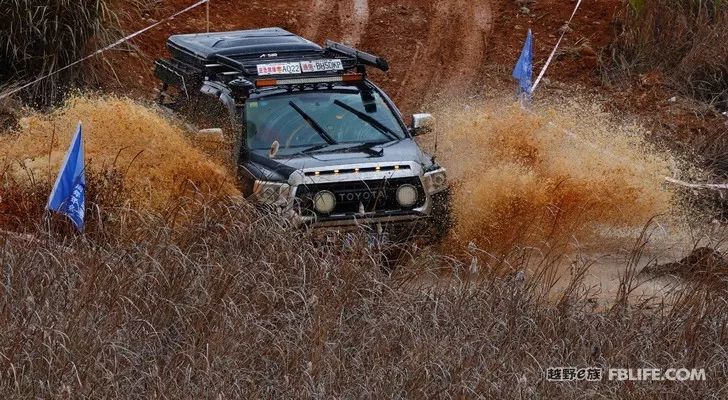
315	119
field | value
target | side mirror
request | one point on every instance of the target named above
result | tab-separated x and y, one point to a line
273	149
421	124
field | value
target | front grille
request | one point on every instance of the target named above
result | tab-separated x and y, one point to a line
373	195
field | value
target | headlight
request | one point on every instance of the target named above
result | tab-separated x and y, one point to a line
407	195
324	202
435	181
271	193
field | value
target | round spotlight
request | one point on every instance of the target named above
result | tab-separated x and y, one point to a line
439	180
324	202
407	195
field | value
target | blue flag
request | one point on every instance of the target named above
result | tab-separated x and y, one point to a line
68	195
524	67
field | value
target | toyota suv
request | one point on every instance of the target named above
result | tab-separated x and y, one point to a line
312	136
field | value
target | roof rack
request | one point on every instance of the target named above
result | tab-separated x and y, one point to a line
360	56
227	56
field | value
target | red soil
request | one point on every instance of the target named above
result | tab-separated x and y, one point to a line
434	47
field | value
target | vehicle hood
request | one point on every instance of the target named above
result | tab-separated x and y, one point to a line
404	150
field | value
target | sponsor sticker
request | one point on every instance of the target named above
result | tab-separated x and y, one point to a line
288	68
322	65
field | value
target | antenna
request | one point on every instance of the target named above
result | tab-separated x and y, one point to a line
434	153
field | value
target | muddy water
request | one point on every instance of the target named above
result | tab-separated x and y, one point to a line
524	178
155	153
567	179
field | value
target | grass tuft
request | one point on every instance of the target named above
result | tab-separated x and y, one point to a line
211	298
684	39
37	37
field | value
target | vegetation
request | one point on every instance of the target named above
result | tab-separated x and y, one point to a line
37	37
212	299
208	297
684	39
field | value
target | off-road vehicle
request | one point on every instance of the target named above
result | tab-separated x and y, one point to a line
313	136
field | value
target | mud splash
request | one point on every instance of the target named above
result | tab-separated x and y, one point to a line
541	179
155	154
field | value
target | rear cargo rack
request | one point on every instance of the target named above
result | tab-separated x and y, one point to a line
226	56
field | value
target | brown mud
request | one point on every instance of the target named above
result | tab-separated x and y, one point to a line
157	156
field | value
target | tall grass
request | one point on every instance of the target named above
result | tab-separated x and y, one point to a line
37	37
212	299
685	39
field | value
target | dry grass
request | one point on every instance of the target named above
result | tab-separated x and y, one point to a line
38	37
214	299
684	39
683	44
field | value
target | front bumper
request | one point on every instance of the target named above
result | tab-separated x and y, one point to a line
367	218
302	182
373	219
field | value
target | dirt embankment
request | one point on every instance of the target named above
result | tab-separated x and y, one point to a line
435	47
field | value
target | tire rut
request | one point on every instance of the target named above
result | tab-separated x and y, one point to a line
319	10
355	15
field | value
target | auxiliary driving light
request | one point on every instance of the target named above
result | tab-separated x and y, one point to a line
407	195
271	193
435	181
324	202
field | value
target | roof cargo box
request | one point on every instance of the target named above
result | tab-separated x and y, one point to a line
201	48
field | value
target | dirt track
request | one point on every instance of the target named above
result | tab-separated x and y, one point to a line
435	48
432	46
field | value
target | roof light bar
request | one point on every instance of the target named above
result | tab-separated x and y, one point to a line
303	81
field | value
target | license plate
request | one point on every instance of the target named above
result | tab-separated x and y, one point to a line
322	65
279	68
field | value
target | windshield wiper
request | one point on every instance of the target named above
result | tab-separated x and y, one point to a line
315	125
366	148
314	148
368	119
310	149
363	147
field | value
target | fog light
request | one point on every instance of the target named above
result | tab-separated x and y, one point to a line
324	202
407	195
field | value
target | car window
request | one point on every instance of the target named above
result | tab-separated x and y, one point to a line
297	119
